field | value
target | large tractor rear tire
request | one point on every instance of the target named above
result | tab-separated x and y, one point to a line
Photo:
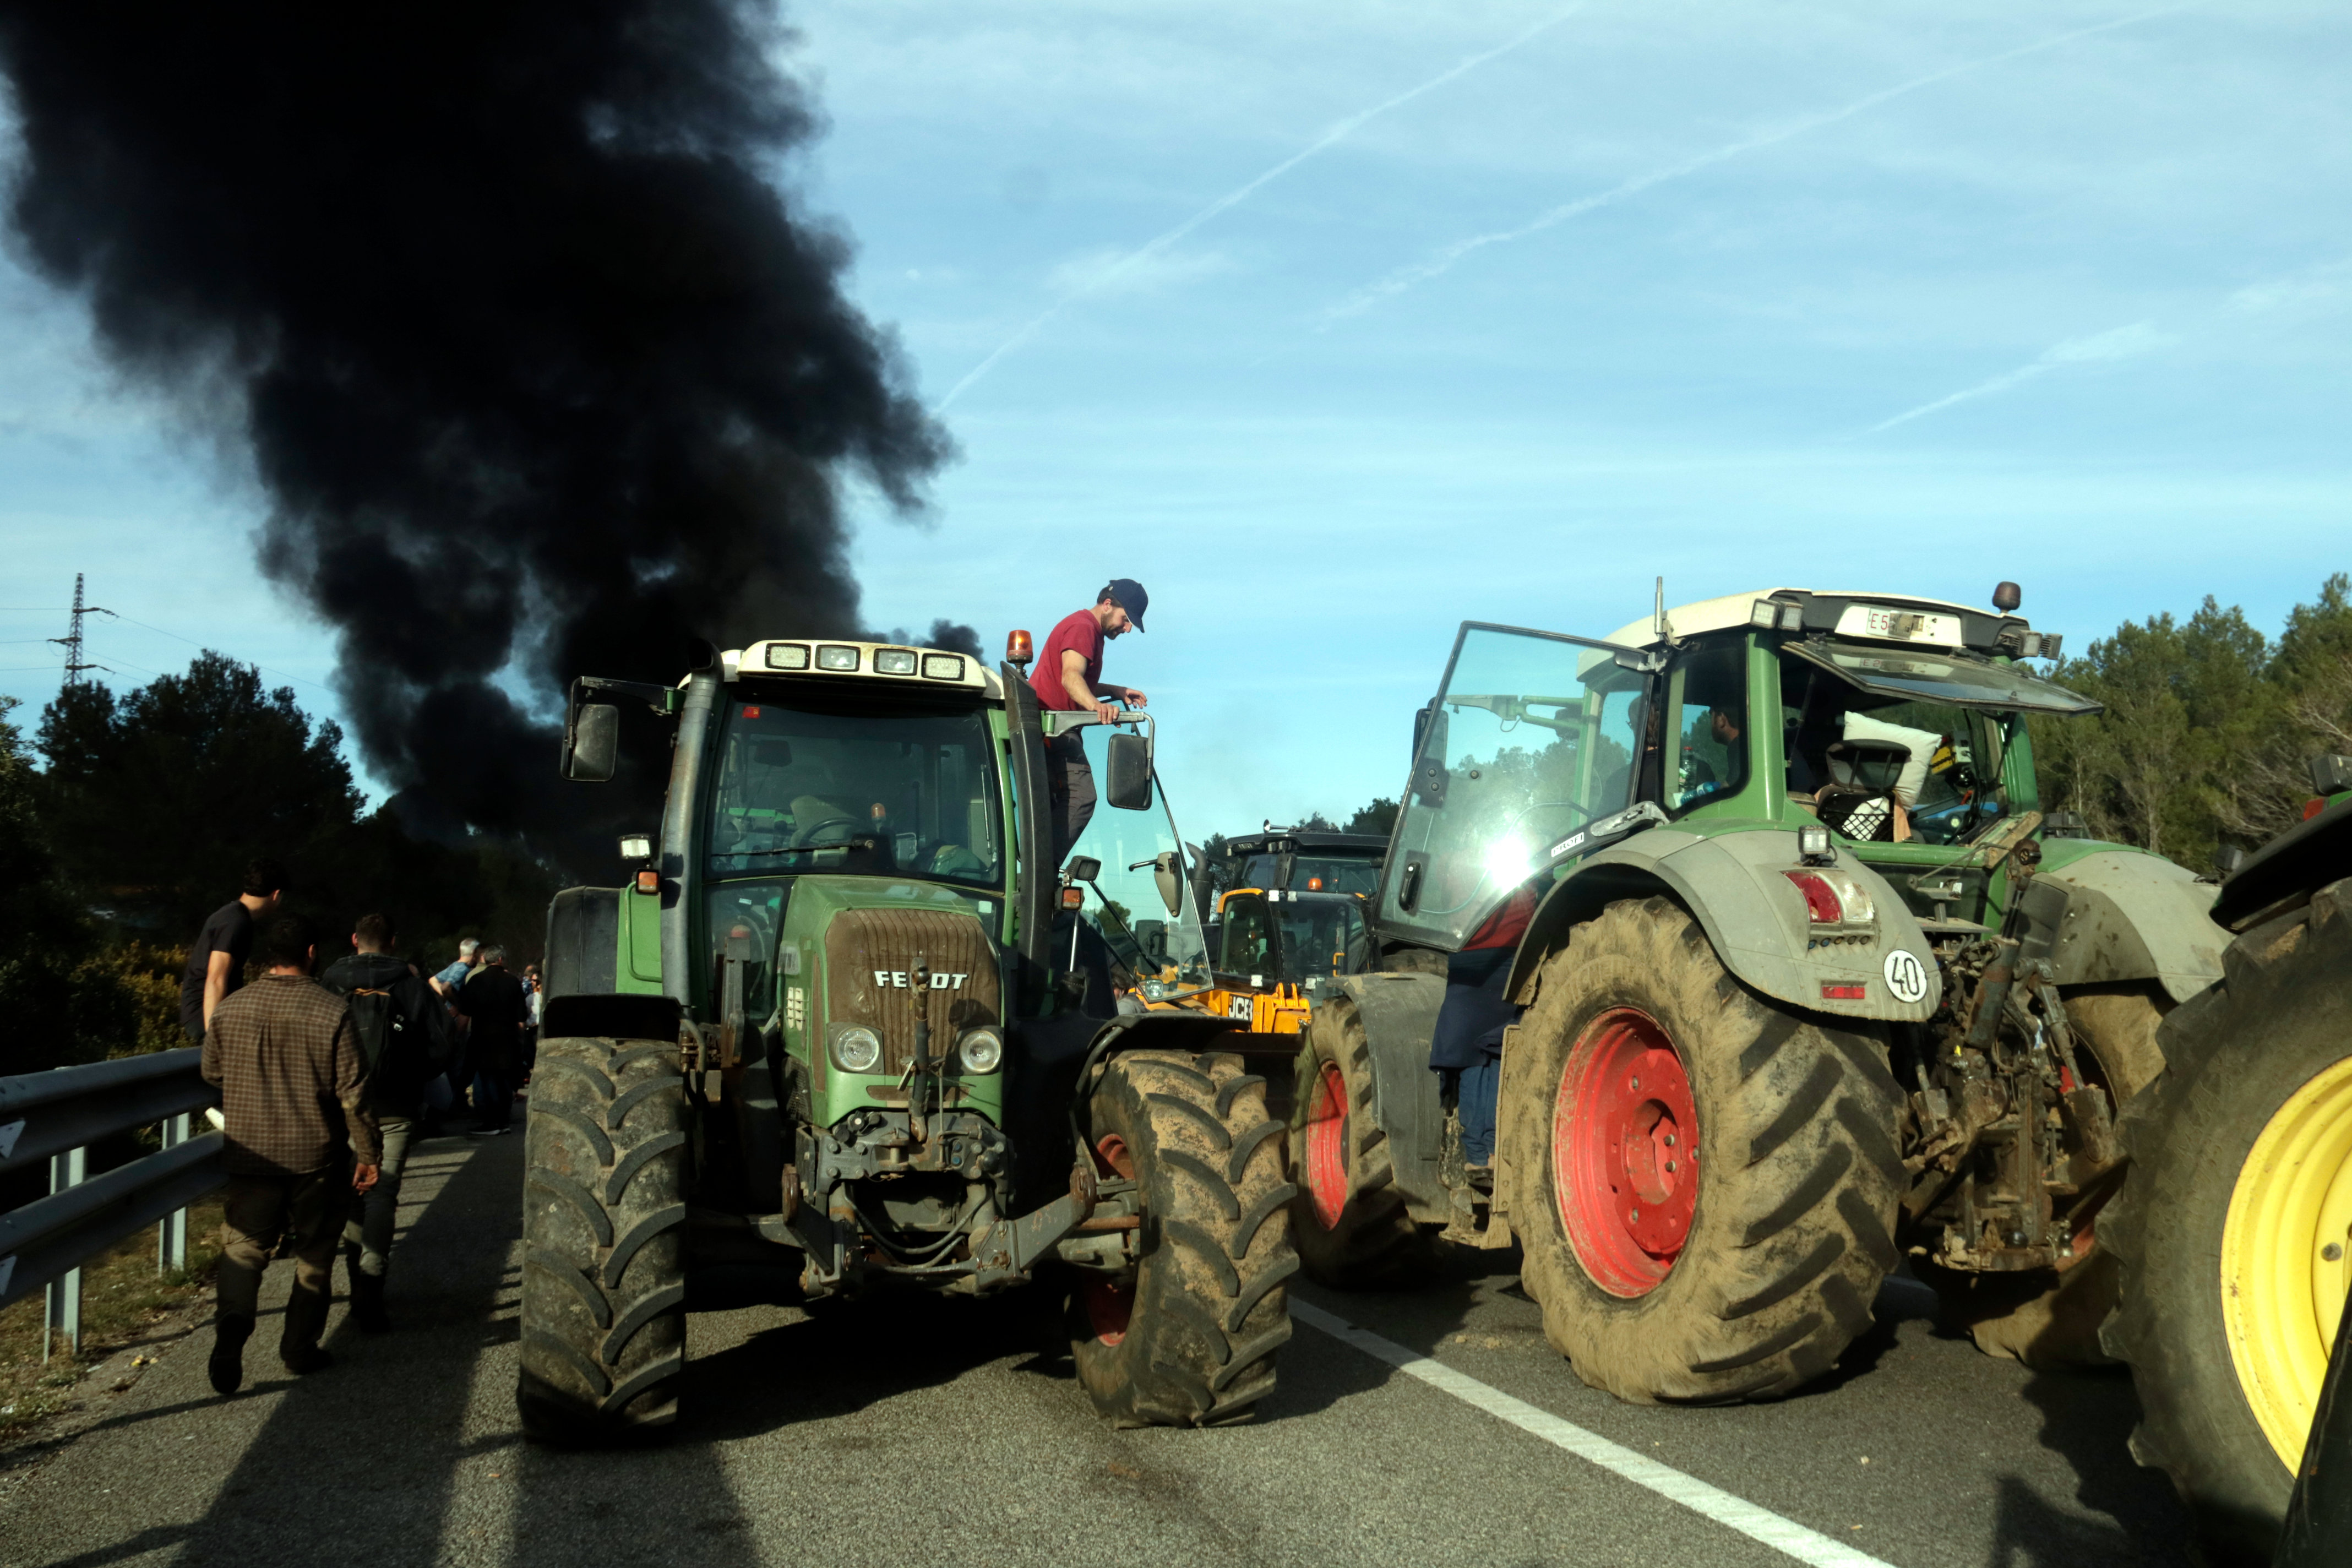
2051	1320
1704	1182
2233	1228
603	1216
1190	1339
1349	1220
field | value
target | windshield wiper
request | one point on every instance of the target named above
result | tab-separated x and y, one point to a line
802	849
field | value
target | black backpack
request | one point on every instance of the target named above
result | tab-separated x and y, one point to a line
380	1022
375	1019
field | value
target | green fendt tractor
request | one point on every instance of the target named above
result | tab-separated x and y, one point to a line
2235	1230
833	1034
1808	982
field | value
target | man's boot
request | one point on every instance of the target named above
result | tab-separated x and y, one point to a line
306	1319
367	1303
226	1367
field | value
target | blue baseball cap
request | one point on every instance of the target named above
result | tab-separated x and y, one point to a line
1128	596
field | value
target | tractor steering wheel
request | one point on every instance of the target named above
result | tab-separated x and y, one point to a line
805	838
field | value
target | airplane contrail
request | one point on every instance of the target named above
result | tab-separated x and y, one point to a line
2121	343
1406	277
1337	132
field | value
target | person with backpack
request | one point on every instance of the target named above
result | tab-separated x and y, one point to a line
406	1036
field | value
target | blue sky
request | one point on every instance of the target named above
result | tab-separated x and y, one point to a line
1555	299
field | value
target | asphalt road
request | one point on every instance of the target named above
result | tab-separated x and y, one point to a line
951	1432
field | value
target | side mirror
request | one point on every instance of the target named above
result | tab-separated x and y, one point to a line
1127	763
593	749
1170	880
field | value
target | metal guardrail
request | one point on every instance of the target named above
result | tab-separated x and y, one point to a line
54	1116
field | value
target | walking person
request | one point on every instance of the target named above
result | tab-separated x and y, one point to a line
406	1038
299	1141
496	1009
216	959
448	979
446	982
1068	678
533	990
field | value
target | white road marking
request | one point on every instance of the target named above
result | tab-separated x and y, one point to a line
1757	1523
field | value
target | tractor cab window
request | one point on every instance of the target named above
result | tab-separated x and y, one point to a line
852	787
1533	738
1332	874
1294	941
1902	747
1323	938
1247	928
1706	724
1141	901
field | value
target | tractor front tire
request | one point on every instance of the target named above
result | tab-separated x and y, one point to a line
2048	1320
1190	1340
1744	1277
603	1218
2234	1226
1349	1220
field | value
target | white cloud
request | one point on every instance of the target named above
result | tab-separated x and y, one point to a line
1109	271
1443	261
2117	343
2324	287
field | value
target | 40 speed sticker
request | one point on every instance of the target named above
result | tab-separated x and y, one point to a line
1907	977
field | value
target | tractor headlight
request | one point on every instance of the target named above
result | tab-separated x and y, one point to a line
857	1049
982	1050
895	661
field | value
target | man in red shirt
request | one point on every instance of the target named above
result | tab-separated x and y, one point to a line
1068	678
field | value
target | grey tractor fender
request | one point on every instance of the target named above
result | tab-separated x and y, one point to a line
1734	884
1400	1016
2119	914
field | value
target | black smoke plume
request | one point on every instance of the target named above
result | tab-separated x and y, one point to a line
537	368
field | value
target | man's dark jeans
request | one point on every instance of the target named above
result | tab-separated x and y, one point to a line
1070	790
494	1095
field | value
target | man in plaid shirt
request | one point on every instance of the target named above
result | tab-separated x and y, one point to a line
294	1091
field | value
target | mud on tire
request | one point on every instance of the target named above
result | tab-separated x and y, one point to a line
2276	1027
603	1273
1192	1341
1349	1221
1792	1225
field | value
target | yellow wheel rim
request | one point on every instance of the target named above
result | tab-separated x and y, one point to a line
2284	1264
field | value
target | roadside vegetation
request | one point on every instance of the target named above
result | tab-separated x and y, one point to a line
125	1303
2208	728
126	818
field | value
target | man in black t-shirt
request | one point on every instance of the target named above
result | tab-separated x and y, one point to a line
496	1009
216	959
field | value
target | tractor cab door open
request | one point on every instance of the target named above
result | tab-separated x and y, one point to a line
1533	742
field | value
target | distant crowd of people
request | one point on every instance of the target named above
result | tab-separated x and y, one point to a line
328	1078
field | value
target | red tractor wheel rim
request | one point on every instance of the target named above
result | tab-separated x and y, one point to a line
1624	1140
1327	1146
1108	1304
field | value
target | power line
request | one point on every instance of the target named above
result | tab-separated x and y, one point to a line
73	643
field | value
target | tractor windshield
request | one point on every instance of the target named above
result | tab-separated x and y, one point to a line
1887	764
813	782
1313	873
1293	940
1534	737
